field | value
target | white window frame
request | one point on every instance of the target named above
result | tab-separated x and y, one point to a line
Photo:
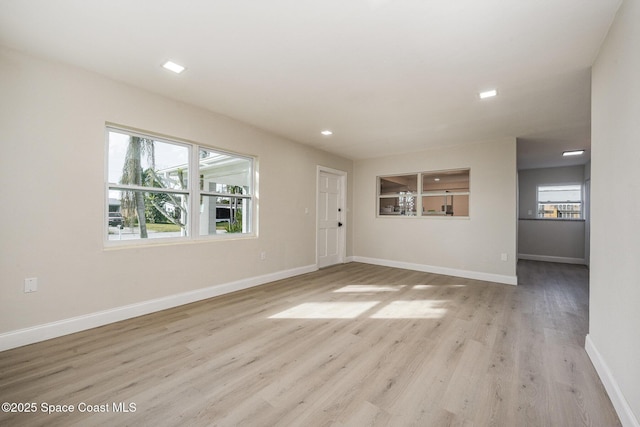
445	194
193	193
400	195
417	196
559	203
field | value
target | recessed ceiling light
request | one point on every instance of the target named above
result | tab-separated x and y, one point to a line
573	153
488	94
436	179
172	66
327	132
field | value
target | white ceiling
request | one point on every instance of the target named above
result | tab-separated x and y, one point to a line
387	76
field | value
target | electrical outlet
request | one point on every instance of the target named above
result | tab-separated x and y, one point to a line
30	284
263	255
504	257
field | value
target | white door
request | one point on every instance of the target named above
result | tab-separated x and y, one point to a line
331	218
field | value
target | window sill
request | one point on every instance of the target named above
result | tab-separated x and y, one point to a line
553	219
178	241
445	217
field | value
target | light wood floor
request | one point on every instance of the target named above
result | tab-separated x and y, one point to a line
354	345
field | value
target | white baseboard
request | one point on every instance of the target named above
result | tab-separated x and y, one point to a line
560	259
489	277
627	418
71	325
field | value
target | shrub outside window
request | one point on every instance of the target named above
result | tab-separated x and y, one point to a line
152	193
438	193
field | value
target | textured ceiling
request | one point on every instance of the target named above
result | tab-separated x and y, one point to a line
386	76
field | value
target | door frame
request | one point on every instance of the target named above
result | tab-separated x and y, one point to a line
342	233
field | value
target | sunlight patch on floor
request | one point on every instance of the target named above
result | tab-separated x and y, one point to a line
422	309
437	286
326	310
369	288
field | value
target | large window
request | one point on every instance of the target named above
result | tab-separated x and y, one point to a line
159	188
438	193
560	201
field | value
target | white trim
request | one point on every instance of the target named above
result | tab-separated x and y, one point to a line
71	325
546	258
331	170
620	404
478	275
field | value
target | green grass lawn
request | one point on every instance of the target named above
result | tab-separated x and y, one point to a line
166	228
163	228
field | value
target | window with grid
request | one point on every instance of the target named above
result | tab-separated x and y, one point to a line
159	188
425	194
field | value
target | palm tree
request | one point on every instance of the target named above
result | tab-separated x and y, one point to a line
132	174
235	222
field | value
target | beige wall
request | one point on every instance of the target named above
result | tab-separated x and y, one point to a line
52	173
464	245
614	317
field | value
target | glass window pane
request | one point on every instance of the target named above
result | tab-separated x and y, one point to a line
452	180
389	206
224	173
560	210
143	161
402	205
219	215
449	205
433	205
146	215
560	193
398	184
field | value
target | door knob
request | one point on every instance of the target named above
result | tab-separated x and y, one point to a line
339	224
